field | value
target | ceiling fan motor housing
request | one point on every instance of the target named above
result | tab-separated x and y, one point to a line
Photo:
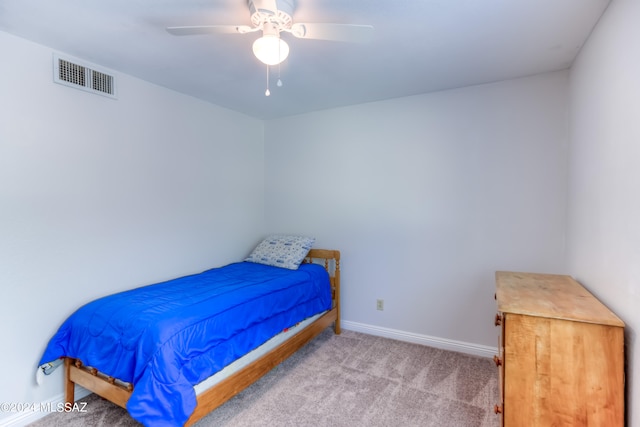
276	12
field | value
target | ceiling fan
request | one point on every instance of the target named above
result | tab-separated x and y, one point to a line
273	17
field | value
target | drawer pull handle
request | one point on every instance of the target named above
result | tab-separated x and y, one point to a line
498	320
497	360
497	409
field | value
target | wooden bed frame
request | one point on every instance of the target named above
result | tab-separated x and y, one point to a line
118	392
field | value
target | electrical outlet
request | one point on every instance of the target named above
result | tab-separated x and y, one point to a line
380	304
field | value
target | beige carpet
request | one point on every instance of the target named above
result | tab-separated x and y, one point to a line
350	379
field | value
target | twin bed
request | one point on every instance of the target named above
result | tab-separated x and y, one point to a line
172	352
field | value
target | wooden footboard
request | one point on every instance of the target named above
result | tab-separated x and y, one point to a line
93	380
118	392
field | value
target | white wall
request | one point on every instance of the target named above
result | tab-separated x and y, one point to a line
427	196
99	195
603	244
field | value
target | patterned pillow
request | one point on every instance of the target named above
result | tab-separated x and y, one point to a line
282	251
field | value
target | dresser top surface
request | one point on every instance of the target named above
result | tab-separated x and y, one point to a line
550	295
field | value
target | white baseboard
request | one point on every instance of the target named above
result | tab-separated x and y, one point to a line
21	419
441	343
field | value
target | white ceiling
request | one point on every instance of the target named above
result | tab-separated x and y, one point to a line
419	46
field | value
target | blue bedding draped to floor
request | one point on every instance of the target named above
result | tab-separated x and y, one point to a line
167	337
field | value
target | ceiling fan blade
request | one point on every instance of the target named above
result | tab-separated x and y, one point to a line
209	29
333	32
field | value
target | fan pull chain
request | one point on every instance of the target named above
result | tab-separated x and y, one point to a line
279	82
267	92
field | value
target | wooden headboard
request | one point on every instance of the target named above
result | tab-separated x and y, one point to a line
330	258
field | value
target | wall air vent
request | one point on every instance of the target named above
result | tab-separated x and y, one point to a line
84	76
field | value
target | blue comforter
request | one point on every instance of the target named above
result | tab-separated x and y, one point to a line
167	337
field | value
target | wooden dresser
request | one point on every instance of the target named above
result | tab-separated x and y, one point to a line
561	354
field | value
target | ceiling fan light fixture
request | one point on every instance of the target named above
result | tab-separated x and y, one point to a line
270	49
